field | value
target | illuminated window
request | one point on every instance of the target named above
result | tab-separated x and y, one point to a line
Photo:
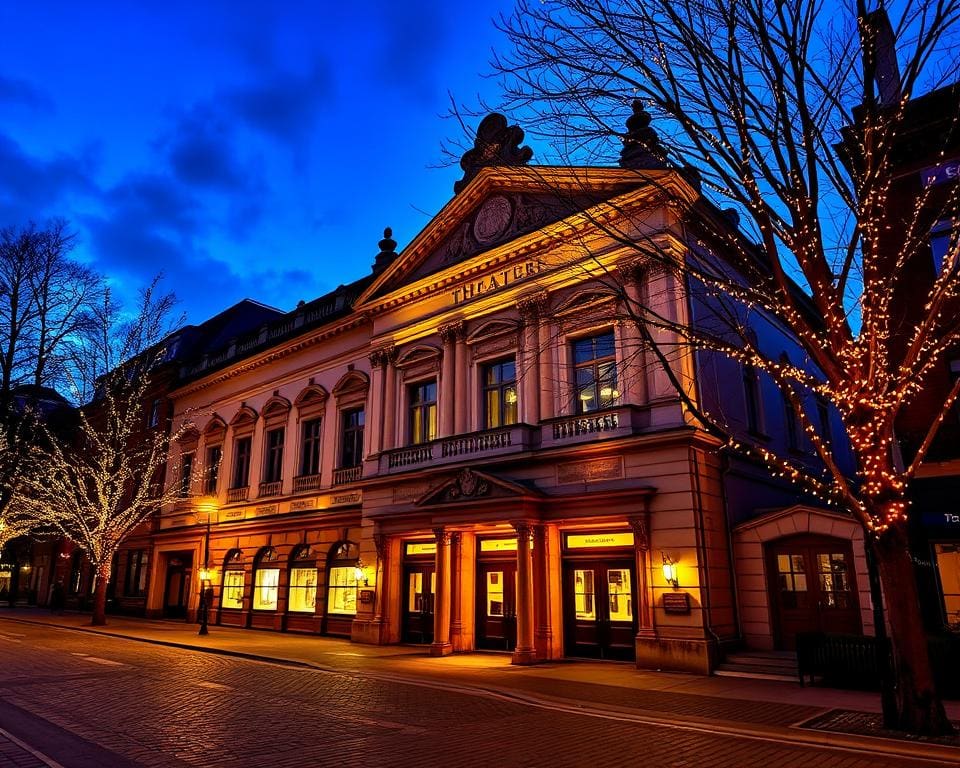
342	578
233	580
212	473
584	595
266	581
351	438
948	571
619	593
423	412
500	394
943	237
310	447
273	461
241	462
792	581
303	581
595	372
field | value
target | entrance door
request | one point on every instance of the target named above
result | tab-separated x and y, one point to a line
600	617
177	589
812	587
420	583
497	606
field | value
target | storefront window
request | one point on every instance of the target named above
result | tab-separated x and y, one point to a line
584	595
342	579
233	580
266	581
619	594
303	581
948	568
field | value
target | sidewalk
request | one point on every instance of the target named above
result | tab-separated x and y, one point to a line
770	708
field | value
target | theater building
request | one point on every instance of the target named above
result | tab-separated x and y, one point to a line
472	446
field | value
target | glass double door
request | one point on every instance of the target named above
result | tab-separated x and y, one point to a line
600	617
420	583
497	605
812	587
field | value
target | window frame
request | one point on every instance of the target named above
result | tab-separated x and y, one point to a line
501	387
423	411
240	477
351	435
273	453
596	364
303	559
310	446
266	557
186	474
135	578
344	556
233	563
211	475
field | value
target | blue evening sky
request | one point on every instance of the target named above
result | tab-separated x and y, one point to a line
245	149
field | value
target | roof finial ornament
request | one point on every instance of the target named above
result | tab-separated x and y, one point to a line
388	252
497	144
642	149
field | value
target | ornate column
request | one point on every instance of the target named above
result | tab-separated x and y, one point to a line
541	594
633	368
659	296
441	609
525	652
461	412
528	366
382	542
641	546
546	375
389	423
448	395
456	603
377	363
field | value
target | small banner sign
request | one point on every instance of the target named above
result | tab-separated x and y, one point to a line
593	540
421	548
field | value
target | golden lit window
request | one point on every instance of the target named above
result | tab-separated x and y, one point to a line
266	581
303	581
233	589
583	595
342	578
948	569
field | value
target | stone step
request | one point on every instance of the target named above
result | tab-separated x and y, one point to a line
755	674
762	659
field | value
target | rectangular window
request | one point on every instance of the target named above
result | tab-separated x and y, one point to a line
265	587
790	419
943	239
351	450
500	394
212	470
273	461
135	583
310	447
423	412
233	589
154	418
342	591
595	372
186	472
948	569
303	590
751	395
823	415
241	462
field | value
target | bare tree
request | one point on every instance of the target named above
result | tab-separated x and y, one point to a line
99	485
756	96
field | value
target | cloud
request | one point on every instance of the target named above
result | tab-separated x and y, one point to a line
34	188
412	54
201	151
22	93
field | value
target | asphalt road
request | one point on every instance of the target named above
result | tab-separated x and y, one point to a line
79	700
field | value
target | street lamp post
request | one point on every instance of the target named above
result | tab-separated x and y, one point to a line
205	581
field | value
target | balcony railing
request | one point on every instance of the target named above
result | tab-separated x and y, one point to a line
306	483
347	475
586	425
448	450
479	443
238	494
272	488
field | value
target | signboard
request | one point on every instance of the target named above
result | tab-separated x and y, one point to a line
676	602
233	514
941	519
593	540
498	545
944	173
301	504
267	509
495	281
590	471
421	548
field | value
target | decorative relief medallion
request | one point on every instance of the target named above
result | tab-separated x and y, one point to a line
493	219
590	471
467	485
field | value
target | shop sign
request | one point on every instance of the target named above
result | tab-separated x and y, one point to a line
234	514
301	504
593	540
350	497
590	471
421	548
941	519
495	281
944	173
267	509
498	545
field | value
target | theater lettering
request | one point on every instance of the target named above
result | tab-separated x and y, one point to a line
495	281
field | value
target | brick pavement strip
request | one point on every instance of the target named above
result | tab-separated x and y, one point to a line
15	754
161	707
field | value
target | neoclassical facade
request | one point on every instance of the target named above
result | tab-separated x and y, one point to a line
473	447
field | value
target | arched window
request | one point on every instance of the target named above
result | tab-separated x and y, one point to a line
342	578
266	580
303	580
233	578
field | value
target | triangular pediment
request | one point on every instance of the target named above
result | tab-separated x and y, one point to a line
470	485
498	207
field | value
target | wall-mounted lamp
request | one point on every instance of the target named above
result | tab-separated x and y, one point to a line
670	570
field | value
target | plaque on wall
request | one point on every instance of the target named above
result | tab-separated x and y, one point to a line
301	504
267	509
234	514
676	602
590	471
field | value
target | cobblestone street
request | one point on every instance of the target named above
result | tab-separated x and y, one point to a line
135	703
